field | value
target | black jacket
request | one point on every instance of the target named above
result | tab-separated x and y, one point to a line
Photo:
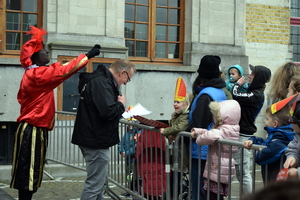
99	110
251	101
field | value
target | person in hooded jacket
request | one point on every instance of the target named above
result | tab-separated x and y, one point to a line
208	86
226	115
292	153
127	148
235	72
97	122
280	133
251	103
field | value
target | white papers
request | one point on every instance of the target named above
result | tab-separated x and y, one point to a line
138	109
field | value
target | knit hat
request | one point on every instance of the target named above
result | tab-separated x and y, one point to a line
180	90
209	67
33	45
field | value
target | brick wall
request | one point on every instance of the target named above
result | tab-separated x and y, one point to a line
267	24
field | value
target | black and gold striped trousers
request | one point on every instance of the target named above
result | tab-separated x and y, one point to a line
29	156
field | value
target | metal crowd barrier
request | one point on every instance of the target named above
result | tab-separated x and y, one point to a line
146	174
238	188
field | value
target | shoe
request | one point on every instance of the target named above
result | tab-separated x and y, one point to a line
126	194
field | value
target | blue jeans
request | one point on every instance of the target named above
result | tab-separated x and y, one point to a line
96	168
194	177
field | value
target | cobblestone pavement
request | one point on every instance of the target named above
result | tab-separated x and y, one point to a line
70	188
62	188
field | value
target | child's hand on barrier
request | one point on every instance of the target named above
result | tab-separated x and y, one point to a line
290	162
193	135
161	130
248	144
123	154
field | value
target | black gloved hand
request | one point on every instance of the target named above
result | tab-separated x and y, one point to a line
95	51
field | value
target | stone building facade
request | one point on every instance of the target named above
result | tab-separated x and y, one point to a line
239	31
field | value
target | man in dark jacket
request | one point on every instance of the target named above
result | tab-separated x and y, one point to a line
97	122
251	103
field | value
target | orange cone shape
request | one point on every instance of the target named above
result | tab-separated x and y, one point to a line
180	90
280	104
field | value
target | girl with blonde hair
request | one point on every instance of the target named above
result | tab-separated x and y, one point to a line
281	80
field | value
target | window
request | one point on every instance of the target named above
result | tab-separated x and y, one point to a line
295	29
154	30
67	92
15	20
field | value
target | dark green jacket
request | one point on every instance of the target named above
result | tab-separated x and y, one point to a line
178	123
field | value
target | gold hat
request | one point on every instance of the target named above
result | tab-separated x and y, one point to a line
180	90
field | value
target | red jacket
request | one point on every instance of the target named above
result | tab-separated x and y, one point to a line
36	94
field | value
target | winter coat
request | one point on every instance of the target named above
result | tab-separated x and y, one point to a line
200	115
230	83
252	101
128	143
276	142
179	122
230	113
99	111
294	150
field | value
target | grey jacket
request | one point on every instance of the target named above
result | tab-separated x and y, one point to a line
294	150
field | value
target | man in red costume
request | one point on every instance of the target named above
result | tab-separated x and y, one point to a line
36	97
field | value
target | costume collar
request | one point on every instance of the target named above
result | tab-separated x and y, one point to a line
31	67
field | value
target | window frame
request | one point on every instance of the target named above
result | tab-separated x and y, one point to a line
295	22
3	30
151	48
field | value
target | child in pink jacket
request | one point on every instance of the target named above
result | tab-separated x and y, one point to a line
226	116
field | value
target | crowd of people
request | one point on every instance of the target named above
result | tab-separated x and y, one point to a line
216	109
228	110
